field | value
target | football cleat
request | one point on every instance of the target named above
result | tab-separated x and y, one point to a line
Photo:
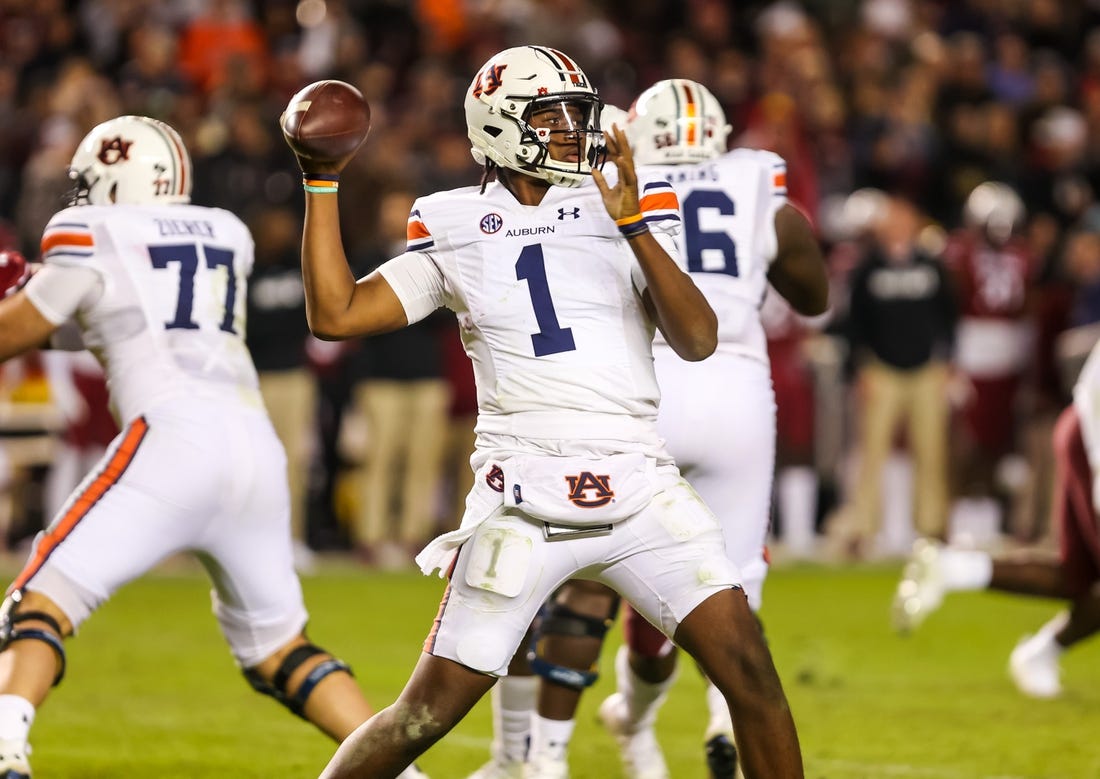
13	759
499	769
546	767
1034	667
721	757
921	589
641	754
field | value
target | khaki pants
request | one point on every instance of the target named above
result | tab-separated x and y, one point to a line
918	399
400	478
460	447
291	400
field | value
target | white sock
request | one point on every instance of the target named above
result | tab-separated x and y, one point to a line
642	698
1049	632
550	737
797	499
16	717
720	721
974	523
965	569
513	706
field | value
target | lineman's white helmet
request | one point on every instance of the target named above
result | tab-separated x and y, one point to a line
677	121
612	115
131	160
503	95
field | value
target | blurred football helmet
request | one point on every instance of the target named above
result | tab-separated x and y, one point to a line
995	208
862	211
512	86
677	121
612	115
131	160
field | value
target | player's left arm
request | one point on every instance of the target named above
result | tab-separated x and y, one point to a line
798	270
22	326
49	300
680	310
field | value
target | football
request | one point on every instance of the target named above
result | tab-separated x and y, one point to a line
14	271
326	121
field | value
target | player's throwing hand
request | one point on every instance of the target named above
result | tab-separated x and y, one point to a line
620	200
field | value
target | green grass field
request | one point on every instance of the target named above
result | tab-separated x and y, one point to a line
152	692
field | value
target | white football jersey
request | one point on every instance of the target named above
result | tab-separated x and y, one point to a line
549	303
728	239
171	319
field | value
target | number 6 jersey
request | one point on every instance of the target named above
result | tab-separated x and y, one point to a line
168	315
549	302
728	241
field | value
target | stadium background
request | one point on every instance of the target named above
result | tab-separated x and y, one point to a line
913	98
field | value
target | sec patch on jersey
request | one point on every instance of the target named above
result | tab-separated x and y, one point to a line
326	121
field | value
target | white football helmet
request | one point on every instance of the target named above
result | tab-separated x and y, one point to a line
677	121
131	160
508	89
995	208
612	115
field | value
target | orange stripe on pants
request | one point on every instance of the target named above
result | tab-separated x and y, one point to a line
429	642
107	478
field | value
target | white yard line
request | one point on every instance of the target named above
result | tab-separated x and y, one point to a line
902	769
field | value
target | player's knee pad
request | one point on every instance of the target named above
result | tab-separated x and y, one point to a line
560	620
277	687
10	632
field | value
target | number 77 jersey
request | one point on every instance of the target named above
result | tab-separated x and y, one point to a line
729	241
169	320
550	302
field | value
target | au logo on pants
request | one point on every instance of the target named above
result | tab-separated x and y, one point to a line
579	487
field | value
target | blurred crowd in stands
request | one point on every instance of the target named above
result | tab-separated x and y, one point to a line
948	152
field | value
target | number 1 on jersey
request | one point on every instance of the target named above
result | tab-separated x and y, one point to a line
551	338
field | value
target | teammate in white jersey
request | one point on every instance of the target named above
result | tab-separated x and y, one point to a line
559	289
740	234
717	418
157	288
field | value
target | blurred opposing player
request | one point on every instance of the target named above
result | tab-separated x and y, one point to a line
993	270
717	417
158	288
1071	574
561	287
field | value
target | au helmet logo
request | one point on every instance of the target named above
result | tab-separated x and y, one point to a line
587	482
495	478
112	150
489	80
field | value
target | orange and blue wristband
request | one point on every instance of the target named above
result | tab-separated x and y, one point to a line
632	226
321	183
